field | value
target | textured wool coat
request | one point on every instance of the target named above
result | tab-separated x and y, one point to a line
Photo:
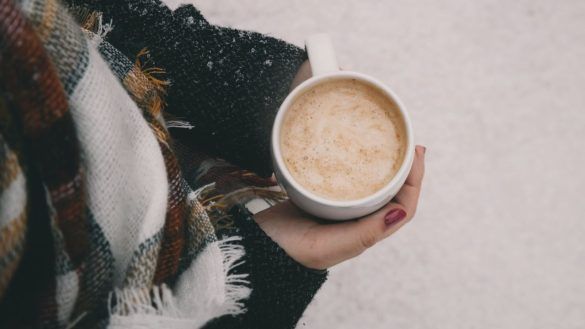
109	216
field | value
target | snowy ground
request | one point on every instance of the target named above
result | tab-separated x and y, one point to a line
496	89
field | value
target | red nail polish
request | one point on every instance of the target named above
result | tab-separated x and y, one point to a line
394	216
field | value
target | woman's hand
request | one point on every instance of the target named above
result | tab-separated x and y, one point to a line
319	244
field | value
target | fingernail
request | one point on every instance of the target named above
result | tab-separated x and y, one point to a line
424	149
394	216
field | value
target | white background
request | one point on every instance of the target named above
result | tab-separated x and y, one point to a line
497	93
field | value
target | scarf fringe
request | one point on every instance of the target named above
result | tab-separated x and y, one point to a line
142	301
178	124
91	21
201	192
237	286
160	300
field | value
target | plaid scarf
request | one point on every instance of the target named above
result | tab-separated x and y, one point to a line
98	225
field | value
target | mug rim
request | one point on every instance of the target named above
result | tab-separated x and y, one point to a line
315	80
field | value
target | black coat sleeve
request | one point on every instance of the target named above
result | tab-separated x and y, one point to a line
281	287
227	83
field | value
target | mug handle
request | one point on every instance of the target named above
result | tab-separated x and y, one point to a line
321	54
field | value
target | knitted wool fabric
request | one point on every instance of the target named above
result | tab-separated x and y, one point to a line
265	262
177	248
13	216
219	71
41	109
281	288
148	256
132	208
48	127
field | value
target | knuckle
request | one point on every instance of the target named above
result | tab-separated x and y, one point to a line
410	214
412	211
314	260
311	257
368	240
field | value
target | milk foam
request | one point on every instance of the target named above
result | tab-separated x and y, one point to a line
343	140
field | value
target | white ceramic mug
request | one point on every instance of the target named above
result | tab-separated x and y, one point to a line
324	67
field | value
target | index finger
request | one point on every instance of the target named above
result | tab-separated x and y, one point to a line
417	171
410	191
348	239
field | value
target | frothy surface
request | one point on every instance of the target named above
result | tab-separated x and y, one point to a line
343	140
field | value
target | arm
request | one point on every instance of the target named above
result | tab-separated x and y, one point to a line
227	83
281	287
